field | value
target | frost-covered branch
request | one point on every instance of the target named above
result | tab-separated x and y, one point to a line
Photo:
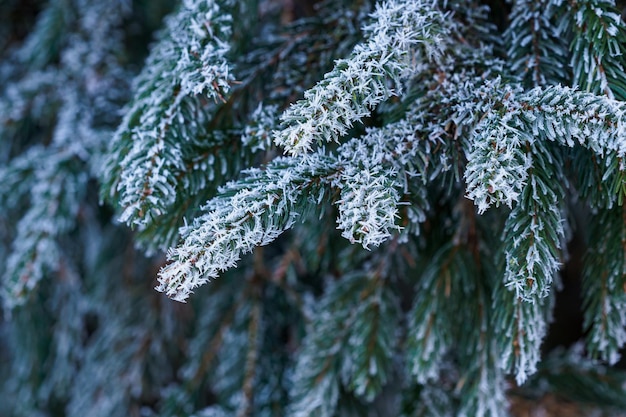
429	340
532	239
55	192
536	47
368	207
358	317
371	172
520	328
246	214
498	160
212	159
404	34
377	169
598	51
392	273
72	97
187	67
534	233
604	279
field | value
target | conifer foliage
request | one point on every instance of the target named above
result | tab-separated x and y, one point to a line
363	205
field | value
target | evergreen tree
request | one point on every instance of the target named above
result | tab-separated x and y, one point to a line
356	208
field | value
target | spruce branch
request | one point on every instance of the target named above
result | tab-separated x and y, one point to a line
210	159
352	311
248	213
52	194
532	239
535	111
363	165
456	280
602	183
45	42
571	117
429	338
313	325
367	207
49	196
497	163
376	169
533	232
186	67
482	384
520	327
497	160
403	34
380	167
604	280
55	201
598	50
535	43
371	341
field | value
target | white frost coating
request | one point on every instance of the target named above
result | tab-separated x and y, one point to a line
498	166
528	330
532	257
404	33
257	133
189	62
376	169
246	214
532	237
571	117
500	153
225	234
536	49
596	53
368	208
497	161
